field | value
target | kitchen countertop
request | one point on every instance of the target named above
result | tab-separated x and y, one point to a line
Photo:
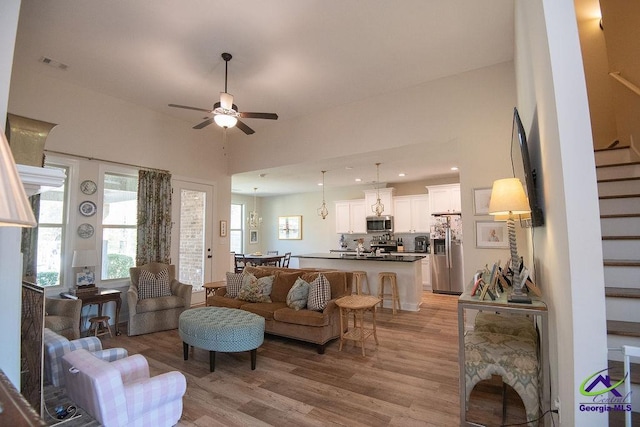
352	257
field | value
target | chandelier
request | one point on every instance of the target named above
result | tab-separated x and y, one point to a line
377	208
322	210
254	219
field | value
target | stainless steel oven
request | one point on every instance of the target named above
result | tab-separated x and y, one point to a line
380	224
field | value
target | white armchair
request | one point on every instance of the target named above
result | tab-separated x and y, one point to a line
121	393
56	346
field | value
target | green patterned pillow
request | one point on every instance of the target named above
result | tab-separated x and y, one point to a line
298	294
256	290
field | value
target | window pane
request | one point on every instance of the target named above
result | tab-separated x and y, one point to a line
192	230
118	252
236	217
235	241
120	200
49	255
52	206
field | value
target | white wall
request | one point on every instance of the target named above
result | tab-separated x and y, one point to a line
550	82
10	271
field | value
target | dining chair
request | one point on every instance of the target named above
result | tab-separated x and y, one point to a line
240	263
273	263
286	259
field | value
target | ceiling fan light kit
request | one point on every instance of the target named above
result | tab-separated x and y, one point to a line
225	112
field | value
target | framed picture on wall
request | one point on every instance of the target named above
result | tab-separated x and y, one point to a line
481	198
290	227
253	236
492	234
223	228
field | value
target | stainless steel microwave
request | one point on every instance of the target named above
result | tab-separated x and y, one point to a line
380	224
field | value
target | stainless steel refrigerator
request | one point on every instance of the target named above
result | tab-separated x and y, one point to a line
446	257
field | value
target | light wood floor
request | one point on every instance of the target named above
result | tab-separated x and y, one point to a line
409	379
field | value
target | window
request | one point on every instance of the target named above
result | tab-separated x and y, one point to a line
119	225
51	232
235	229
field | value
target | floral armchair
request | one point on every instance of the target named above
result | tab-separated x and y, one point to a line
63	316
156	299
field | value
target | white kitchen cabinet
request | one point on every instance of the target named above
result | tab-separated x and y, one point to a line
386	198
444	198
350	217
411	214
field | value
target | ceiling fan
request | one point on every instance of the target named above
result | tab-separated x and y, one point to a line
225	112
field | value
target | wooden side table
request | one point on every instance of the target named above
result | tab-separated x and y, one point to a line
357	304
211	288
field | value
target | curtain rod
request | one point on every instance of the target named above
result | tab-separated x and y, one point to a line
106	161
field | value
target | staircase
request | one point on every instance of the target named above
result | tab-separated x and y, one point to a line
618	174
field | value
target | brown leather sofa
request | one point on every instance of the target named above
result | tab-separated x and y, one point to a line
304	325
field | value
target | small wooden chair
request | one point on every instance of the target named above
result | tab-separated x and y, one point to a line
100	326
359	279
391	277
273	263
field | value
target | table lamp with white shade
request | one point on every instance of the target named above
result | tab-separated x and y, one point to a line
85	259
508	198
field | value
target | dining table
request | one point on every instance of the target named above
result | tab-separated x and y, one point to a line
262	259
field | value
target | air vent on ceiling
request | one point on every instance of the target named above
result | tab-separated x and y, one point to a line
53	63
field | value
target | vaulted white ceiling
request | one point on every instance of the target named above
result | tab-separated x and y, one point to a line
292	57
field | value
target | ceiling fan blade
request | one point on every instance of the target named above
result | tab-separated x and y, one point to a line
190	108
270	116
204	124
244	128
226	100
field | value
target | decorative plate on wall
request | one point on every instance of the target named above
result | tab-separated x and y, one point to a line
87	208
85	230
88	187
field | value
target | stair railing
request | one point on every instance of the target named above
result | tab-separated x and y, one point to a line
616	75
627	352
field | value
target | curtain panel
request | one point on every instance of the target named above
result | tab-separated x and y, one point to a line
154	217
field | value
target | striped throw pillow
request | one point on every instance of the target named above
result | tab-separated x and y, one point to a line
153	285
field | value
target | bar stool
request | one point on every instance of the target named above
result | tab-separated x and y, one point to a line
393	282
359	279
100	326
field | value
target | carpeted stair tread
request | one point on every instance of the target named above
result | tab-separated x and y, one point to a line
619	196
618	164
615	292
619	327
621	263
616	371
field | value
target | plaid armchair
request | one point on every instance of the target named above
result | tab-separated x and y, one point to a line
122	393
56	346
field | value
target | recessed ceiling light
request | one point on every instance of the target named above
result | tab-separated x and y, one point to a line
455	168
358	179
348	167
320	184
401	174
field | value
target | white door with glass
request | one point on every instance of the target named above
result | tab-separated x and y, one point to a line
192	206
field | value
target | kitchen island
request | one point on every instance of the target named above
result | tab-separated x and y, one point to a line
407	269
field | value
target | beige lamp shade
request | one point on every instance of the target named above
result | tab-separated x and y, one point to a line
85	258
15	209
508	197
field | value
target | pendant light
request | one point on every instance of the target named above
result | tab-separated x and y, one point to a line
377	207
322	210
254	219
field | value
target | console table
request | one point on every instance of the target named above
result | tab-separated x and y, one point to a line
101	297
537	308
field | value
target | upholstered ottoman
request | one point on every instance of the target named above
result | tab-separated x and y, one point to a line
221	329
514	358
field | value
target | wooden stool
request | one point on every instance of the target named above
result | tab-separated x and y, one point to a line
395	299
359	278
100	326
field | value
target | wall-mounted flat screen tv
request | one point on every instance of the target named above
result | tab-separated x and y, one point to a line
525	171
